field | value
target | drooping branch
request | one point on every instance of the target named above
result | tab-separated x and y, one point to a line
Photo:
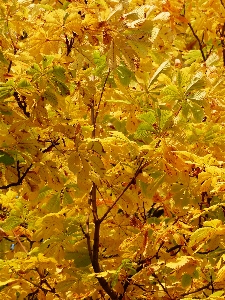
20	178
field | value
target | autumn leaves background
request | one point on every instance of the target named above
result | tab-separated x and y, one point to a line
101	128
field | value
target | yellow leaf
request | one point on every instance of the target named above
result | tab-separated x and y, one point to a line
97	165
205	186
74	162
220	275
201	235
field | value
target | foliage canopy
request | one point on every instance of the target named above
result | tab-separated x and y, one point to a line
112	149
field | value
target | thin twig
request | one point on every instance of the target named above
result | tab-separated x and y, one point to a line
162	286
222	3
198	40
19	181
103	89
139	170
196	291
16	236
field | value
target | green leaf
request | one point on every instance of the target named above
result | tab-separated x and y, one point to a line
67	199
59	73
197	111
186	280
51	97
53	205
47	60
217	294
64	285
2	58
170	93
165	117
5	158
124	74
197	82
148	117
11	222
23	83
80	257
201	235
63	89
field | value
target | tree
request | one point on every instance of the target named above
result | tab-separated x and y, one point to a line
112	149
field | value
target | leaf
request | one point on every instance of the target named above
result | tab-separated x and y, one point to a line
160	69
217	294
64	285
51	98
47	60
186	280
97	165
201	235
59	73
11	222
62	87
6	159
74	162
96	146
220	275
124	74
53	204
23	83
2	59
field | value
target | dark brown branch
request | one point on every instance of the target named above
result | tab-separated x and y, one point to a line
87	236
222	36
53	144
9	67
21	103
207	252
221	1
198	40
139	170
20	178
94	253
103	89
196	291
162	286
69	43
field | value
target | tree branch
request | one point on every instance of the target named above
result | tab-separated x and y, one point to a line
20	178
139	170
198	40
162	286
103	89
196	291
21	103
